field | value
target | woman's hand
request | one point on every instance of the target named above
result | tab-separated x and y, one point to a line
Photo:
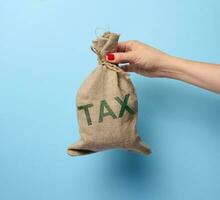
148	61
142	58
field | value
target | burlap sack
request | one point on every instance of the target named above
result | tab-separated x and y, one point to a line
107	106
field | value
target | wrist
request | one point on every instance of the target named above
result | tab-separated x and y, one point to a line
171	67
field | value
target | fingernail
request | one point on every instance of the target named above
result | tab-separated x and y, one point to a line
110	56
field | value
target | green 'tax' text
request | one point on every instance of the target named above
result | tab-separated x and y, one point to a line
105	110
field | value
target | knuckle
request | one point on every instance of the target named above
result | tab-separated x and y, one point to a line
133	42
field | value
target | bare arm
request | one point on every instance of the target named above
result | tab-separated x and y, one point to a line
203	75
148	61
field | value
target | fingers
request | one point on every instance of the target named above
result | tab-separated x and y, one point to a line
119	57
128	68
124	46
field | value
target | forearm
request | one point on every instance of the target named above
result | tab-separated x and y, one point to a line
204	75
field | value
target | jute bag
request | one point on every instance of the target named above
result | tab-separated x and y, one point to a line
107	106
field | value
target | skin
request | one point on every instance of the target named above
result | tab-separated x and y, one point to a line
148	61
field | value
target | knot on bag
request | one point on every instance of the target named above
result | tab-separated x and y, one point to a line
107	64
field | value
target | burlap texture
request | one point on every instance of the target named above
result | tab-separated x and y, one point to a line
107	106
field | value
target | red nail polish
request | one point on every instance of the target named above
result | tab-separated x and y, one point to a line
110	56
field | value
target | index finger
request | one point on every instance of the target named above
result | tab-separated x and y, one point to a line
124	46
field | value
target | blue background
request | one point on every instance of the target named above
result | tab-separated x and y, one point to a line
44	57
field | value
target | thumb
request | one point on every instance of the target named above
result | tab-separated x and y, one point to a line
118	57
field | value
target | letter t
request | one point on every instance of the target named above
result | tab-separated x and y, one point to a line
86	111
